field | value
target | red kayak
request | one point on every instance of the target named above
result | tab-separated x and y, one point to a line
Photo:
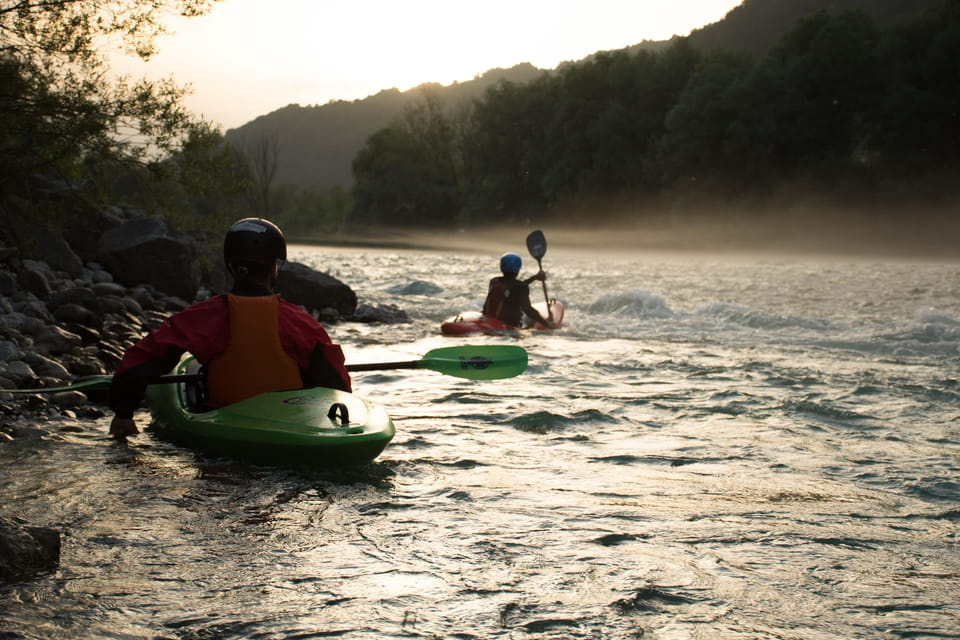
470	322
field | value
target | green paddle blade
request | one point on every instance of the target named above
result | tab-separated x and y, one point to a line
483	362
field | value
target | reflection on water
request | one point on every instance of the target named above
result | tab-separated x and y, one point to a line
708	449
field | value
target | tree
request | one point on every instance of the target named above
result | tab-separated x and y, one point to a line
386	174
505	145
411	172
58	105
261	154
695	153
918	126
827	67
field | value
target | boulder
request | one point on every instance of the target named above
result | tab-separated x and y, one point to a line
386	314
26	550
144	251
36	239
315	291
213	272
85	227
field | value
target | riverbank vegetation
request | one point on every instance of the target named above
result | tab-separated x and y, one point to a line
70	132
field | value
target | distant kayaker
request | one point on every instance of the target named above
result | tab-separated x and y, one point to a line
249	340
508	298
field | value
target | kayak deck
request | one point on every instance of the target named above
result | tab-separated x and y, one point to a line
472	322
313	425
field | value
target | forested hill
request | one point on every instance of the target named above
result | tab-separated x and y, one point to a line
757	25
315	145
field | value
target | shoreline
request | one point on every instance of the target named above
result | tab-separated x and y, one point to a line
873	239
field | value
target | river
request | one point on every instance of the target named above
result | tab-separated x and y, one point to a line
712	447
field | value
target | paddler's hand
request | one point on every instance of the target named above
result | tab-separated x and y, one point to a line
120	428
540	275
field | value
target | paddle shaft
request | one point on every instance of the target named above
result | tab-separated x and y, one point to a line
367	366
485	362
364	366
376	366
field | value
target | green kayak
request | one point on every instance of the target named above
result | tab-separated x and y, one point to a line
317	425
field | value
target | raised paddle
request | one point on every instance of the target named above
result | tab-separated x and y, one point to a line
537	246
481	362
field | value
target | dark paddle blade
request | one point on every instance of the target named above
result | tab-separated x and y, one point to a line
537	244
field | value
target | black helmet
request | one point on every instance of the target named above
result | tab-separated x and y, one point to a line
254	240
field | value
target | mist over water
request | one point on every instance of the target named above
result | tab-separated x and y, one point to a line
714	446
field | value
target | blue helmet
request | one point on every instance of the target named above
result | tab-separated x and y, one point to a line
510	263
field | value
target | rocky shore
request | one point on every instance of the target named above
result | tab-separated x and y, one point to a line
74	297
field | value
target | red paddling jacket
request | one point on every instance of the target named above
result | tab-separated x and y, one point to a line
250	344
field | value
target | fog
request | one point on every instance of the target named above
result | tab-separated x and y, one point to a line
929	236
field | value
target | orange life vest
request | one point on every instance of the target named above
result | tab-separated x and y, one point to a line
254	360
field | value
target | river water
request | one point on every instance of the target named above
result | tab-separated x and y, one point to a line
713	447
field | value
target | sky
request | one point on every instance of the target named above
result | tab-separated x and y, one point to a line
247	58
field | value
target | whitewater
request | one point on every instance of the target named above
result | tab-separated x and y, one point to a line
714	446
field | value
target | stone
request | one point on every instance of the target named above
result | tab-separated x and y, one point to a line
9	283
18	372
78	295
77	314
387	314
35	282
26	550
54	340
21	323
46	367
8	351
69	399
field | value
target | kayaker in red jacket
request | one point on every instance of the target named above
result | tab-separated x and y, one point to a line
249	340
508	298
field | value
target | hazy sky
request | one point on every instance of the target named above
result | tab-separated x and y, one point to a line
247	58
